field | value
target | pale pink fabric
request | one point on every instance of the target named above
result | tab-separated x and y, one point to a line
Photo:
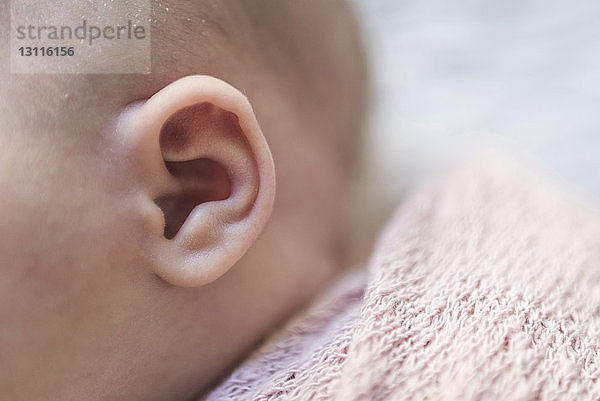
484	286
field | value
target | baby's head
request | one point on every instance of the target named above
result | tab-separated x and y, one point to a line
133	259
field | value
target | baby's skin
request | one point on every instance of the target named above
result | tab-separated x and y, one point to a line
155	227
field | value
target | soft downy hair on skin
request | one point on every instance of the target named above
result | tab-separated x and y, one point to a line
299	44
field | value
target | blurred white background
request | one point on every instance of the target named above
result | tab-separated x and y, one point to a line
451	77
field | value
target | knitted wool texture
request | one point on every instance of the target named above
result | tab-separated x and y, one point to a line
484	286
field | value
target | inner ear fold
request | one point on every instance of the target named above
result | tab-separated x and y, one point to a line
201	180
185	139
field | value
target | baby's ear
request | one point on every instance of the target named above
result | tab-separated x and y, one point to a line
206	165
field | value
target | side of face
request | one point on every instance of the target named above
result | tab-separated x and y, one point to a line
132	264
111	256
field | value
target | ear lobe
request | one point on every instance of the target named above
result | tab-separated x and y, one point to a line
207	166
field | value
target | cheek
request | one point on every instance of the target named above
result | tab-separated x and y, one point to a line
58	226
66	253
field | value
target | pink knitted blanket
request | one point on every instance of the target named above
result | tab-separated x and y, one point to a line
484	286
